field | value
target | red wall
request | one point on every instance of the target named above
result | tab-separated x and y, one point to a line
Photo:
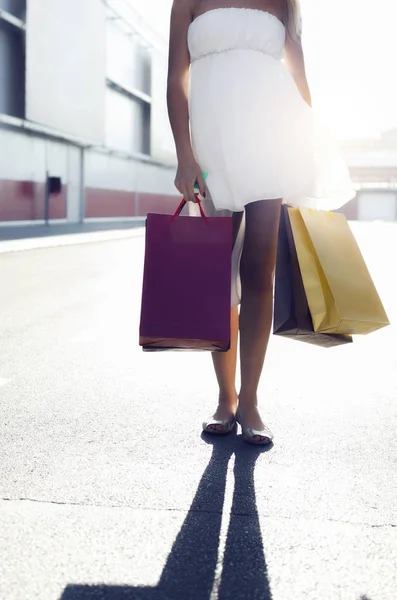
111	203
24	201
106	203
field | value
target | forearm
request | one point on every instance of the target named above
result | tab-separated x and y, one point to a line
295	62
178	112
303	88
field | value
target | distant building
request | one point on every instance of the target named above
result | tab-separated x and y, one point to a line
373	167
82	97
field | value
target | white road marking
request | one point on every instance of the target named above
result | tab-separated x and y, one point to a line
4	381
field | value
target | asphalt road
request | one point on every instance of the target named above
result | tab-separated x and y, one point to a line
109	492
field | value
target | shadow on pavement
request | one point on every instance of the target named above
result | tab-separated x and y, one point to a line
190	571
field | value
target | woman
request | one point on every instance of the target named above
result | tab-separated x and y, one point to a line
243	116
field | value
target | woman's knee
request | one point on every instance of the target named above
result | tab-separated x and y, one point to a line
257	275
260	246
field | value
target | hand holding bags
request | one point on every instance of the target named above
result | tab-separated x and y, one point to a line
340	292
187	283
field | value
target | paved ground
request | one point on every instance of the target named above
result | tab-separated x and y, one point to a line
107	490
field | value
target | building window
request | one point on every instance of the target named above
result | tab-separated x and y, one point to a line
128	97
12	69
17	8
127	123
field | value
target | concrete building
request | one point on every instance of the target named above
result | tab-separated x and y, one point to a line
82	97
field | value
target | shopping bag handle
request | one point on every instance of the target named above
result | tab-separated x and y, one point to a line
183	204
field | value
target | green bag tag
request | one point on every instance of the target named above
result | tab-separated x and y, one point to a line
196	186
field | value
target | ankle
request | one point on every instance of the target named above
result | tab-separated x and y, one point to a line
228	398
246	400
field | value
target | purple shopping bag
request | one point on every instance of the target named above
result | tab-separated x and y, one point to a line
186	283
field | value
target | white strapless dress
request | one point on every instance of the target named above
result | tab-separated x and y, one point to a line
252	132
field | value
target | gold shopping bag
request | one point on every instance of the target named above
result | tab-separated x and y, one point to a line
340	292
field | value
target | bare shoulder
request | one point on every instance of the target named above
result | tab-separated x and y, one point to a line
179	57
181	17
183	9
276	8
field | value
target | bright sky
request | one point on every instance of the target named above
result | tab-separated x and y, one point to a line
351	54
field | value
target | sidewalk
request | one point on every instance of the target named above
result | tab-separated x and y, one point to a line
109	491
29	237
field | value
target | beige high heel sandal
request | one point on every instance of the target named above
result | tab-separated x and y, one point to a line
218	427
257	437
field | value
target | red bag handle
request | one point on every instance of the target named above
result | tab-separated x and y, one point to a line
182	205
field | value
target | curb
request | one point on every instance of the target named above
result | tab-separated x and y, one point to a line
69	239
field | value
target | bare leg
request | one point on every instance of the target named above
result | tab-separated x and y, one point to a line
257	279
225	370
225	362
